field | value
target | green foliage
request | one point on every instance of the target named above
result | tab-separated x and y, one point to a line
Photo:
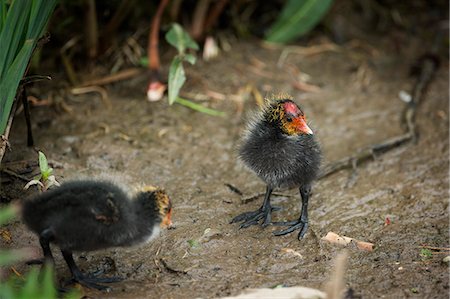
181	40
33	284
297	18
45	179
7	214
426	253
43	166
22	23
193	243
8	257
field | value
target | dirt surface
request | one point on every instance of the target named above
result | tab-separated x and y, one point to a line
193	156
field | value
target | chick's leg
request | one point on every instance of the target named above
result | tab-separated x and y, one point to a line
89	281
302	222
45	237
264	212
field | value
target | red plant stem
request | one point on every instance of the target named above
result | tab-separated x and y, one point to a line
152	50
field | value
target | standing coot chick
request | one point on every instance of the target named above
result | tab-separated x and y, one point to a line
90	215
281	149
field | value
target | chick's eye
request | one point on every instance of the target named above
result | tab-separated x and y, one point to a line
289	119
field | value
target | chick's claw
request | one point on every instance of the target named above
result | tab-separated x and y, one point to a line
92	281
252	218
296	225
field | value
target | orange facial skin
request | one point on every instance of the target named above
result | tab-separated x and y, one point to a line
291	117
164	205
167	222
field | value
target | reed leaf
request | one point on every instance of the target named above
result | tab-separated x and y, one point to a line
297	18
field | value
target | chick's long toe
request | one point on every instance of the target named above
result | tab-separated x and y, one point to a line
264	212
253	218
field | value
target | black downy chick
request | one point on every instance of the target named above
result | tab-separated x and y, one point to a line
89	215
281	149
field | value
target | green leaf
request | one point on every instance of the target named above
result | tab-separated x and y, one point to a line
48	286
297	18
43	166
177	78
199	107
13	33
180	39
7	213
193	243
426	253
190	58
9	84
143	61
22	23
30	289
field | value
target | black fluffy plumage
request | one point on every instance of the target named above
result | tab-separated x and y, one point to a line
282	150
278	159
90	215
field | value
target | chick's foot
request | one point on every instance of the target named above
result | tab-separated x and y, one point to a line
93	282
293	226
253	218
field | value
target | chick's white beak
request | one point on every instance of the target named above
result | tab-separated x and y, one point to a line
308	130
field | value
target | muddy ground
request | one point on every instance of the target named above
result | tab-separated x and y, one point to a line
193	156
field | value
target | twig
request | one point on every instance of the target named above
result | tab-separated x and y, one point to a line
198	20
14	174
119	76
429	67
434	248
91	29
234	189
4	138
214	14
98	89
170	269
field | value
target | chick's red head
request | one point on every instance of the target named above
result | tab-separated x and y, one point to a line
289	117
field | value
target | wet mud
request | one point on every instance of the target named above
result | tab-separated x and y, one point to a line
193	156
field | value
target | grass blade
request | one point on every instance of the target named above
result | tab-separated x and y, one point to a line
13	33
9	84
297	18
199	107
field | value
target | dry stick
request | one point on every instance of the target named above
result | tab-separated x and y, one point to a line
198	20
119	76
119	16
91	29
214	14
429	66
14	174
4	138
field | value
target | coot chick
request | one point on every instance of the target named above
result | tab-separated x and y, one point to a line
281	149
89	215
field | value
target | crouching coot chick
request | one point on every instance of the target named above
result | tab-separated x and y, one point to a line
90	215
281	149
